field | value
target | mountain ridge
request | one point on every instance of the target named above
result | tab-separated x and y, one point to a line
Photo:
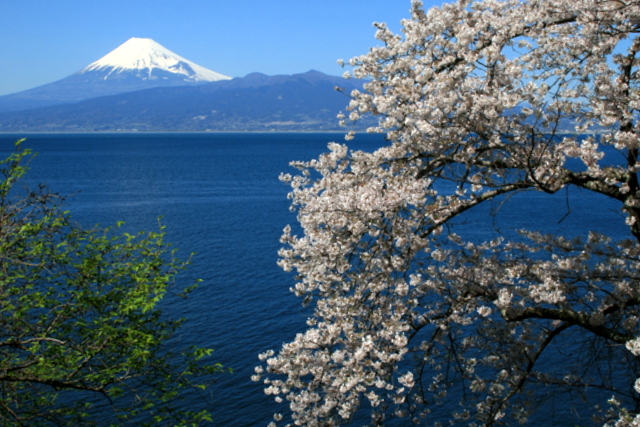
257	102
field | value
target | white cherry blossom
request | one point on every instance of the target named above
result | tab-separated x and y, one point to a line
412	313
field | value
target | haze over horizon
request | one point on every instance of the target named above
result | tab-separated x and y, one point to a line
44	41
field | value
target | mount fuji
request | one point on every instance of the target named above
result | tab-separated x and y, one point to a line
139	63
146	60
143	87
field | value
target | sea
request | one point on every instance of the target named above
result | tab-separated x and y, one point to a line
220	199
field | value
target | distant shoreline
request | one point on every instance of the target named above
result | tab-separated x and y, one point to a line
173	132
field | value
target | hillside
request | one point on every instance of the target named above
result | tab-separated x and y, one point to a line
301	102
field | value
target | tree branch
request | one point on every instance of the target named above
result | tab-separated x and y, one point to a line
570	316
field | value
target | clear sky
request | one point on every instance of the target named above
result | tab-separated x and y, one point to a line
42	41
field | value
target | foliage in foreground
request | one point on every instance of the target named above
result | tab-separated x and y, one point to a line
414	317
82	340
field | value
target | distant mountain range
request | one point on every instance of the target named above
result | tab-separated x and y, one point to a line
142	86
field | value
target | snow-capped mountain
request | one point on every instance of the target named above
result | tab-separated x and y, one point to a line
149	60
137	64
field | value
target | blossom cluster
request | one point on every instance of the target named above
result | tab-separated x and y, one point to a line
479	100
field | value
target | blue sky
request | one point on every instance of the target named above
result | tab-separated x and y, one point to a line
45	40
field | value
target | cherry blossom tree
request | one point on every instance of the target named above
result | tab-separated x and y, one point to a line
413	315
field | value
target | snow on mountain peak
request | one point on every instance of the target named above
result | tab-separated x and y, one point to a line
145	54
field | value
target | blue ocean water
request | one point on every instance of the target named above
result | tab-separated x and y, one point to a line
219	196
